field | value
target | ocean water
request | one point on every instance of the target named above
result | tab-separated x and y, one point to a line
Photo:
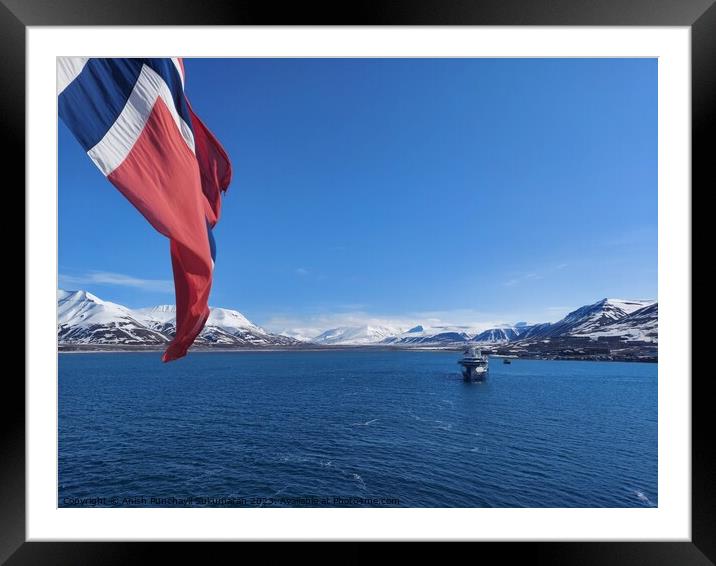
354	428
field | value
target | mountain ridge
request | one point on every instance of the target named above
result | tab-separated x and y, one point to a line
85	319
606	317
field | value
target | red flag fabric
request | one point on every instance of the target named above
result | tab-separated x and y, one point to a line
133	119
214	166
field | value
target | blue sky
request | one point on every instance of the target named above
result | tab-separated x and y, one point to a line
468	191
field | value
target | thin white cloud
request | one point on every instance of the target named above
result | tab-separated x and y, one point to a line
117	279
301	271
534	276
522	279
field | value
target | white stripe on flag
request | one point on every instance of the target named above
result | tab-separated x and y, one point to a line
116	144
175	60
67	70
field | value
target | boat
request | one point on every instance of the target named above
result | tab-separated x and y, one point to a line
474	364
506	361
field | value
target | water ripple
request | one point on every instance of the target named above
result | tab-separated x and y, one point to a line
358	424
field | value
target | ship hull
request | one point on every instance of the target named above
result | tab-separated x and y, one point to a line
473	373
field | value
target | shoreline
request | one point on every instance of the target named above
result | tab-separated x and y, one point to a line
357	348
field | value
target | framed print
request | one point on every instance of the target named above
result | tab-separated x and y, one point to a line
387	311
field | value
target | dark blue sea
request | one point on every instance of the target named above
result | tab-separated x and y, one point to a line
354	428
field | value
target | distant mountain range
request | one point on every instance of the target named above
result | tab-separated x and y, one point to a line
354	335
87	320
627	320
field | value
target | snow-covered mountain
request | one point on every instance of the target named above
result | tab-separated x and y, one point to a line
83	318
590	318
501	334
633	320
224	326
639	325
425	335
356	335
298	335
160	318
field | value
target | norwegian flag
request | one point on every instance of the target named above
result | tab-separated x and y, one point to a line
132	118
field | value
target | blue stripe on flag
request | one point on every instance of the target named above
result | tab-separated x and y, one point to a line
94	100
212	242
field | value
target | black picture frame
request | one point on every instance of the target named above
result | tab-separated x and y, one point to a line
699	15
